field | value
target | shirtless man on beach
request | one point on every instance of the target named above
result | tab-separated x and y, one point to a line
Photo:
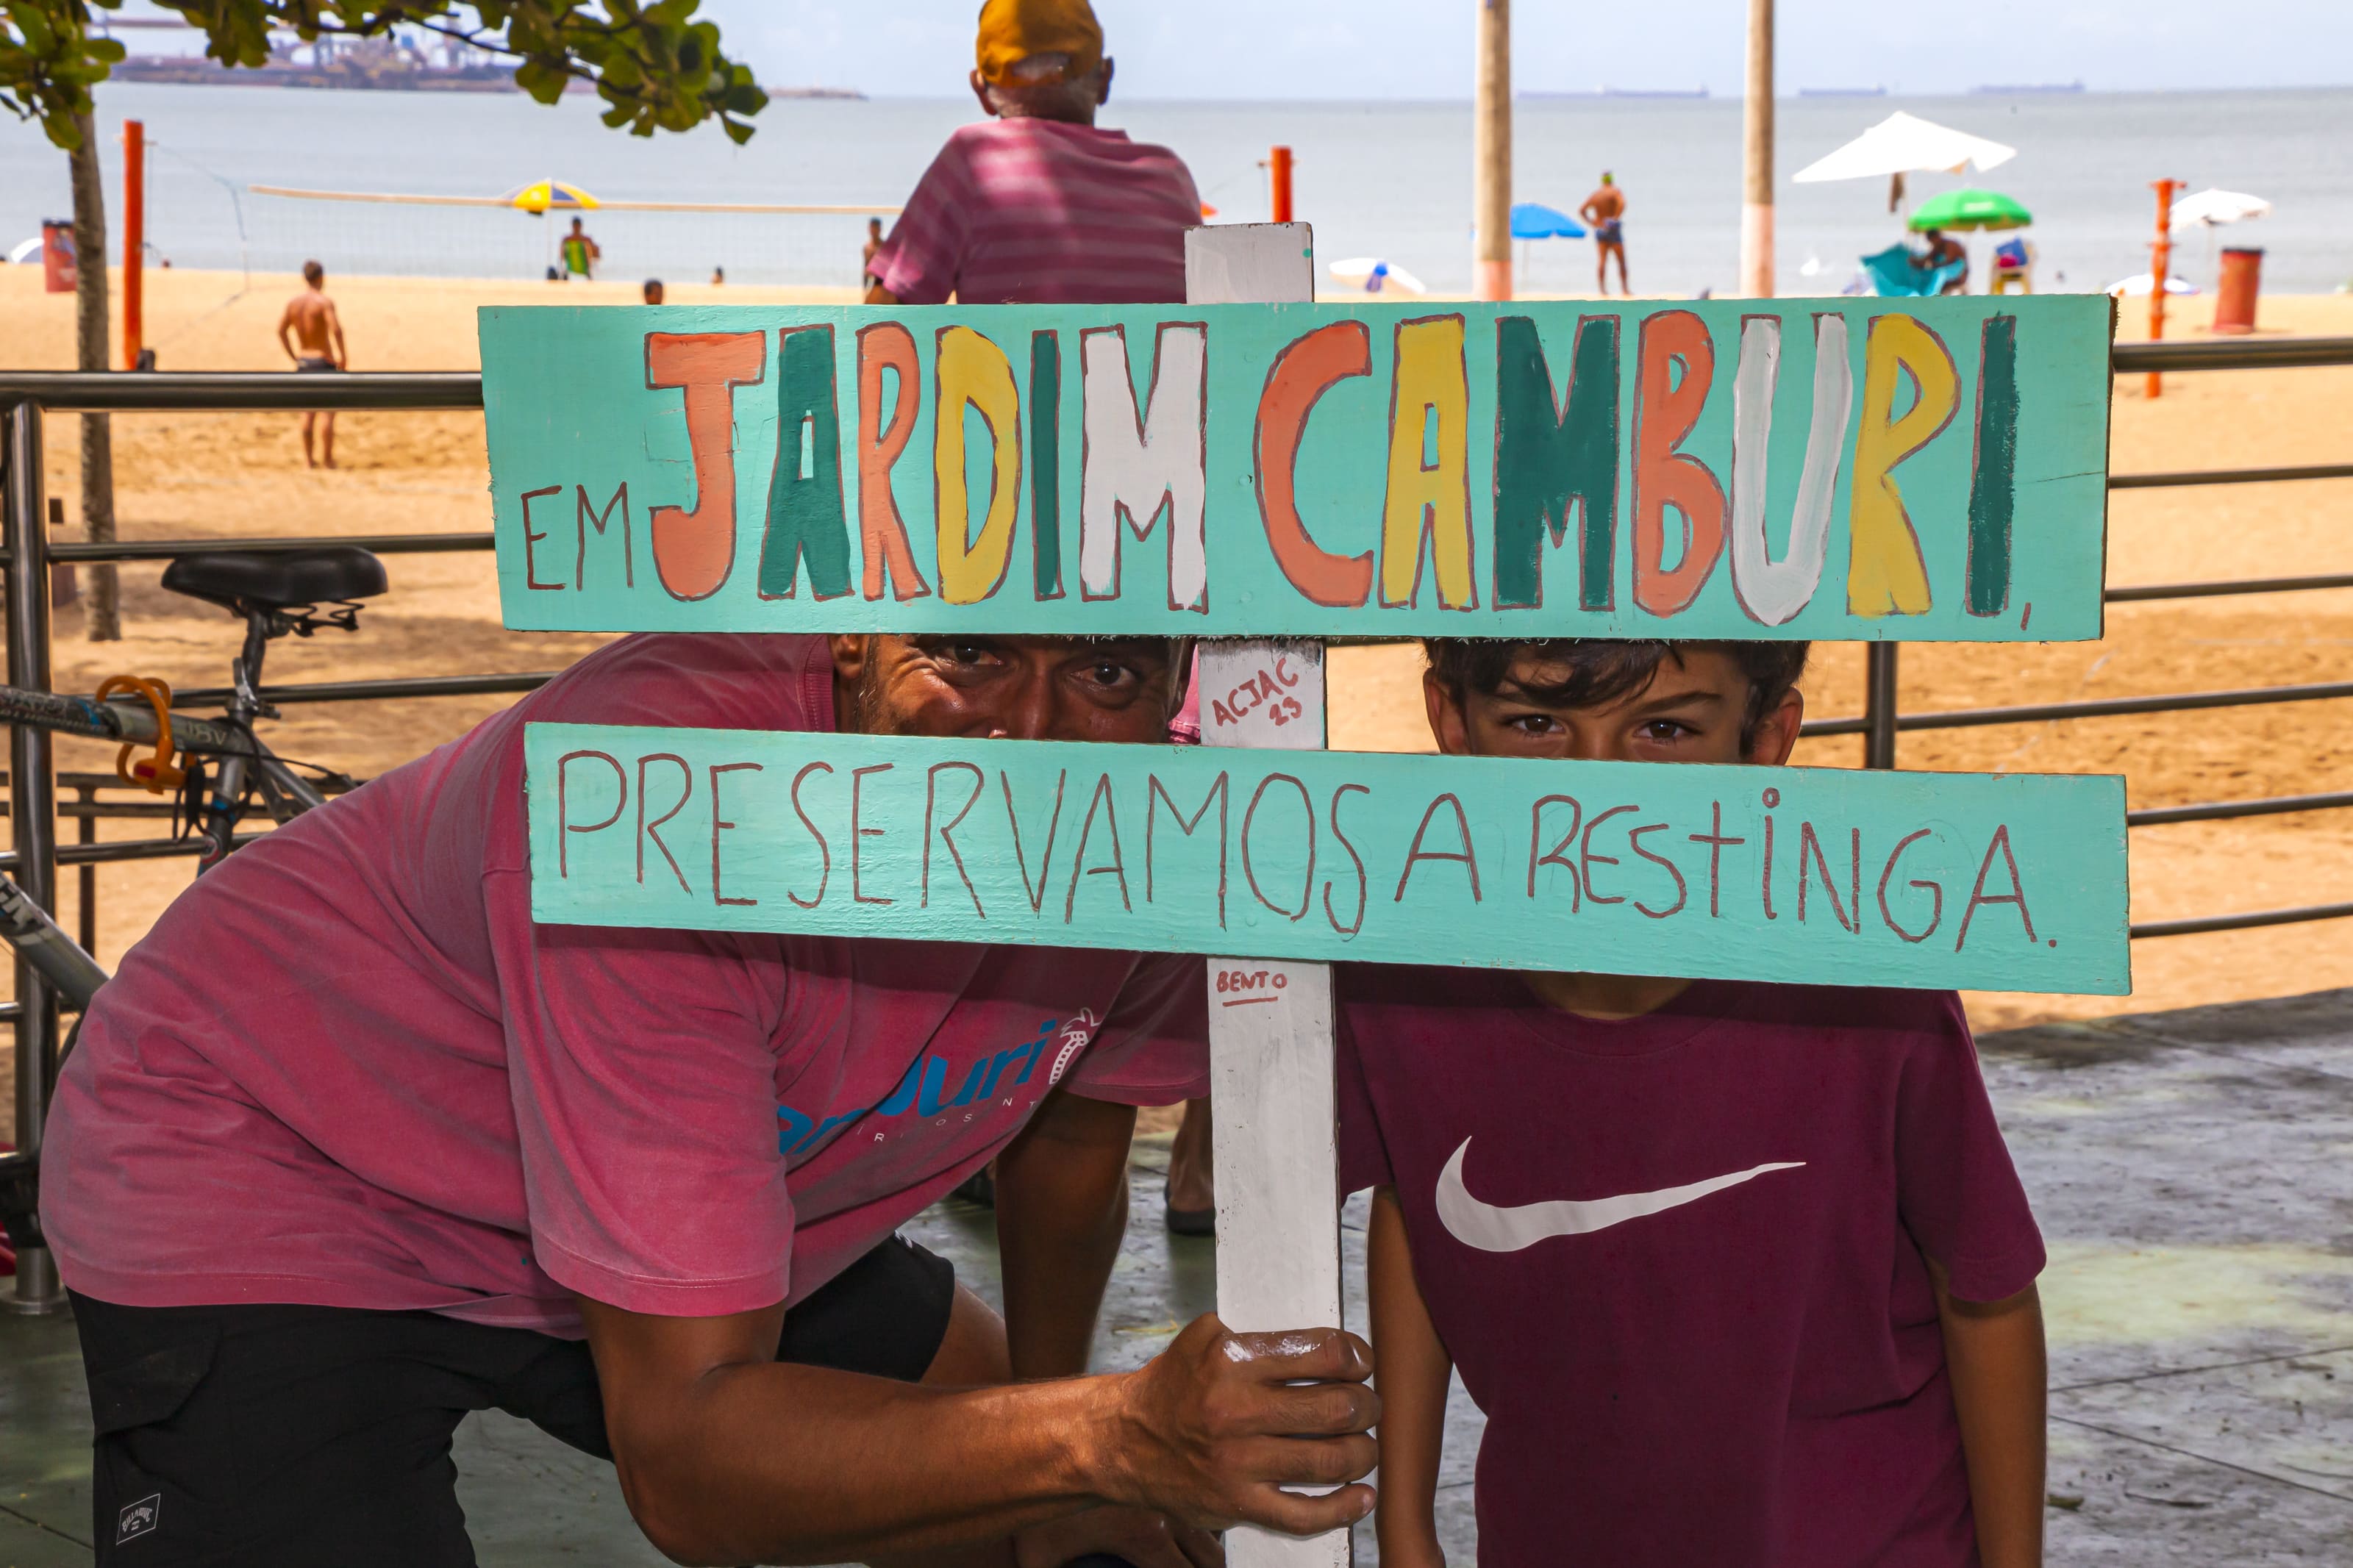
312	336
1604	209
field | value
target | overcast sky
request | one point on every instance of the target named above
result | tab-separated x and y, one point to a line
1421	48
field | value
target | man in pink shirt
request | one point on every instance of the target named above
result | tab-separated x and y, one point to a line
351	1146
1036	205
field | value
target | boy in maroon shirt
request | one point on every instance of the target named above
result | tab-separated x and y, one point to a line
1740	1274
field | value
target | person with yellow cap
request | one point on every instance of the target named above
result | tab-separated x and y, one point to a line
1036	204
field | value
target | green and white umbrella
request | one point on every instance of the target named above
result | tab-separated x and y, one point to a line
1971	210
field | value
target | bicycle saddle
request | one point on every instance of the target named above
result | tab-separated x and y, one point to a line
277	580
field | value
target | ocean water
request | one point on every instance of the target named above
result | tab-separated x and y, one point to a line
1382	179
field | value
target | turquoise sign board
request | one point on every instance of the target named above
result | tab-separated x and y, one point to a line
1824	468
1776	874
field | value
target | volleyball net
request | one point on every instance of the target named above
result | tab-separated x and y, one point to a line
484	237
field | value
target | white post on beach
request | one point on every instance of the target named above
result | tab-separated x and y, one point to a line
1270	1029
1491	153
1756	157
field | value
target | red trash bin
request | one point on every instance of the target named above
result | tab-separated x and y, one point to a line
2235	301
58	255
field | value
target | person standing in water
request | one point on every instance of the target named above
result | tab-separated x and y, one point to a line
1604	209
312	336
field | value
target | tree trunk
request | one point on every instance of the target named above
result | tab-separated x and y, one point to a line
105	620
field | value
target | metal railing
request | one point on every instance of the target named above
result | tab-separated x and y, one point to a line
27	553
1882	719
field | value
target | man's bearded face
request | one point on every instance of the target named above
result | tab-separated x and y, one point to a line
1032	689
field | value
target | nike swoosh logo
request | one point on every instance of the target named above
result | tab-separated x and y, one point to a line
1493	1229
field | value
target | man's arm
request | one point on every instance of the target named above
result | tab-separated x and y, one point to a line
878	295
1410	1369
727	1456
1062	1209
1994	1357
285	327
335	335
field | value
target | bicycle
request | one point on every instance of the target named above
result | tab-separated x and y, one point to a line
216	766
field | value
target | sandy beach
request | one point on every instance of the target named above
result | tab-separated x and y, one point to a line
242	475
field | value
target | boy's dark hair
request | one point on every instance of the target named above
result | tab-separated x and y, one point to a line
313	274
1596	671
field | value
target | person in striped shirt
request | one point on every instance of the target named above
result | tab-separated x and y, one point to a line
1037	204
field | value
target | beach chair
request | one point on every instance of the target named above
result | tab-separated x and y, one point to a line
1893	274
2013	266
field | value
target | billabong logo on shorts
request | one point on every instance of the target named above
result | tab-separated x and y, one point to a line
922	1090
138	1518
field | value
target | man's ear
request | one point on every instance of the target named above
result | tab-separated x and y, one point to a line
1449	725
1103	82
1776	735
980	92
852	652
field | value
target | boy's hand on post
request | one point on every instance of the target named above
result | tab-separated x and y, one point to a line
1212	1430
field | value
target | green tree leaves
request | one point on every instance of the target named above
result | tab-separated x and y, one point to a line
654	65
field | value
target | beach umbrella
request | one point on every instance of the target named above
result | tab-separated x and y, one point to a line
1905	144
1533	220
541	197
1971	210
1372	274
2211	208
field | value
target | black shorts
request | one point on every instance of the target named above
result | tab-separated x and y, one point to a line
274	1436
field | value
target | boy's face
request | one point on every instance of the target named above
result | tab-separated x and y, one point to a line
1690	711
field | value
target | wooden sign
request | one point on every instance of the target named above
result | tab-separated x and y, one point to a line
1826	468
1776	874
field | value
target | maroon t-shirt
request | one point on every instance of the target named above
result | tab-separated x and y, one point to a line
1678	1258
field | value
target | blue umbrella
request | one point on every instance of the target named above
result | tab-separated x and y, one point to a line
1533	220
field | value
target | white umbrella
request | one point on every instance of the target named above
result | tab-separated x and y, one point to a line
1902	144
1372	274
2208	208
30	250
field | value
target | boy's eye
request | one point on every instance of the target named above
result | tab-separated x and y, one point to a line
1663	730
1531	723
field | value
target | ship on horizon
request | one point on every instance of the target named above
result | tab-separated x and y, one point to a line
1540	93
2013	89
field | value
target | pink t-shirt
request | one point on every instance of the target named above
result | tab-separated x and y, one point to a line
346	1068
1044	213
1678	1258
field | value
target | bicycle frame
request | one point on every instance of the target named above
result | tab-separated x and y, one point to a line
61	960
278	783
242	757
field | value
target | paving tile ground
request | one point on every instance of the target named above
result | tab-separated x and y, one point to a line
2190	1170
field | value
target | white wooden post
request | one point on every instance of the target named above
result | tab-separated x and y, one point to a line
1269	1036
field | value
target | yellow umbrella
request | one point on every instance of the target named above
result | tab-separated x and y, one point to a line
542	195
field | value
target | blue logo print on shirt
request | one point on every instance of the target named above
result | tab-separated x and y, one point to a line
926	1079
